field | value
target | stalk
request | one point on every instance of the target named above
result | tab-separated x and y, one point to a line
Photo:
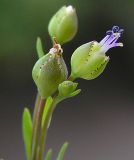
45	129
38	111
37	101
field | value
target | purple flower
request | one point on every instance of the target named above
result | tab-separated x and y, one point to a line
111	38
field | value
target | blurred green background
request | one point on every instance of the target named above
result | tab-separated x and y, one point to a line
99	122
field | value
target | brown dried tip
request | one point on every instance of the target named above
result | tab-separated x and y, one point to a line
57	46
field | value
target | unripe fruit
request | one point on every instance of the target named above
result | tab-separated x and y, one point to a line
49	71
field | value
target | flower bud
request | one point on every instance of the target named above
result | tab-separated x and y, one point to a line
89	60
49	71
66	88
64	24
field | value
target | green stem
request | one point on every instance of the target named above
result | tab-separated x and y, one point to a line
38	98
45	129
37	102
39	107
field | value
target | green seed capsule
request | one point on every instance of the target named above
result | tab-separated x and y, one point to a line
88	61
64	24
49	71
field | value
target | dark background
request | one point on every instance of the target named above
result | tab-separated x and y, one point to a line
99	123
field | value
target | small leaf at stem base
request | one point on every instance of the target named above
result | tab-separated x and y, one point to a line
62	151
27	132
49	155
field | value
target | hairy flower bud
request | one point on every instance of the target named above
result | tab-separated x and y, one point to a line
89	60
64	24
49	71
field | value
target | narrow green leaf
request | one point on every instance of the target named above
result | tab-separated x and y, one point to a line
48	103
75	93
62	151
39	48
49	155
27	132
69	96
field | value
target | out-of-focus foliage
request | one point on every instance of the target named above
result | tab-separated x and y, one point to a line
22	21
